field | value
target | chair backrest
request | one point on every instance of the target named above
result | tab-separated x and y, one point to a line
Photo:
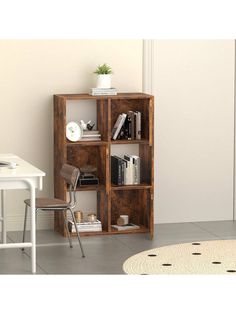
70	174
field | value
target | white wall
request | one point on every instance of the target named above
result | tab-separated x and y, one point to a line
193	85
31	71
193	82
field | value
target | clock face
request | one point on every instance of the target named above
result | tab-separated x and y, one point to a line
73	131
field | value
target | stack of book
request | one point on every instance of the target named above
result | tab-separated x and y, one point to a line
127	126
95	91
91	136
85	226
125	171
126	227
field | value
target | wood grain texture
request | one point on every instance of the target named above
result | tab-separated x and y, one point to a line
112	201
118	96
132	203
59	157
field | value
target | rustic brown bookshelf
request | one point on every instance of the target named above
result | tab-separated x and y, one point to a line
112	200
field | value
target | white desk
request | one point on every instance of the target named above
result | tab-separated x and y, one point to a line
27	177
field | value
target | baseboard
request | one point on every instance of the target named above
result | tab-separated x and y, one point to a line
45	220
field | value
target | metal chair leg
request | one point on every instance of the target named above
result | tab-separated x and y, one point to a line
23	240
67	229
73	217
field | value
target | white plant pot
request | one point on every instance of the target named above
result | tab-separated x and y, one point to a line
104	81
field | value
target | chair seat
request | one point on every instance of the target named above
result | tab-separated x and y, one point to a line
50	203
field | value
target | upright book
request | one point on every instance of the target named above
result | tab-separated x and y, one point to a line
137	118
136	169
129	173
133	170
118	125
117	170
132	124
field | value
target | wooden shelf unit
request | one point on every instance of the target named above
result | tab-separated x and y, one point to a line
112	201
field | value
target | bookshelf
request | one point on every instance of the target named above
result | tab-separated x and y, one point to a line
112	200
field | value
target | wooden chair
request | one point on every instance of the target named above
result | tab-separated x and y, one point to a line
70	175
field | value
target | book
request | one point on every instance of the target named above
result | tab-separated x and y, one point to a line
94	138
132	175
136	169
118	120
85	226
118	125
85	132
137	118
117	170
101	89
129	226
128	128
121	134
103	94
129	172
132	124
91	135
94	91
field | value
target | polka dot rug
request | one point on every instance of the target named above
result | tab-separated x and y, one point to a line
206	257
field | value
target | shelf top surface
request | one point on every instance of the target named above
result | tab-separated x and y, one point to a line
112	142
118	96
87	143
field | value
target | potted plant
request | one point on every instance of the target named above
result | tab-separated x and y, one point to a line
103	72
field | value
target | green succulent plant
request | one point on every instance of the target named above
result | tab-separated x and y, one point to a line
103	69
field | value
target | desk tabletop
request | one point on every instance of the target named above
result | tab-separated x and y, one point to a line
23	168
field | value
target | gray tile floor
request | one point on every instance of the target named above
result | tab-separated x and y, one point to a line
104	254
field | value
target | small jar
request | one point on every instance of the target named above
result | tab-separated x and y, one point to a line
92	217
78	216
125	219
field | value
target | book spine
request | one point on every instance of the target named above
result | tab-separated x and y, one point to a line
138	125
72	229
122	172
98	89
91	135
116	125
91	132
129	170
116	170
136	165
131	114
119	172
90	139
103	93
123	117
121	135
129	128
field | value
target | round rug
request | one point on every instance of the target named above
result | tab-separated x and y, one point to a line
207	257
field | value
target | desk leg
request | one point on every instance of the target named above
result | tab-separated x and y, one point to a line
33	230
4	233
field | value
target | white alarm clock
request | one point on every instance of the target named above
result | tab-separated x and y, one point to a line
74	131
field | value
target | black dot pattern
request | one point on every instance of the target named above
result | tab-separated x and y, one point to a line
207	265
